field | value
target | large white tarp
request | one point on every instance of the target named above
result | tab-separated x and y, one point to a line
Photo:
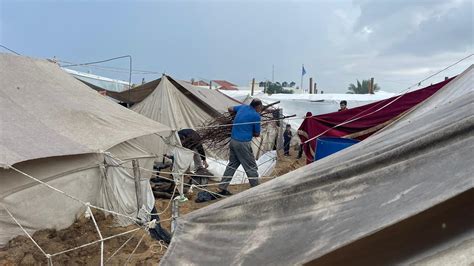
266	164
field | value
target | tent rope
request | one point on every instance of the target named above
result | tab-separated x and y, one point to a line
144	226
74	198
215	160
135	249
123	245
96	241
402	93
89	211
48	256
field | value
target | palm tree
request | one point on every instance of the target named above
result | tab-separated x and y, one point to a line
361	88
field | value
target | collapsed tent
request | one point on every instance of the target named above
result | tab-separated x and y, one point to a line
360	122
55	129
408	169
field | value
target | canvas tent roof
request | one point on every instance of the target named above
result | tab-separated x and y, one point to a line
138	93
167	105
214	99
180	105
78	122
211	100
55	129
416	163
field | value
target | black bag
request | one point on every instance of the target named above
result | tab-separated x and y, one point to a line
205	196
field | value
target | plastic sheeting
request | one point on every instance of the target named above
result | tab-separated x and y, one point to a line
266	164
421	160
183	160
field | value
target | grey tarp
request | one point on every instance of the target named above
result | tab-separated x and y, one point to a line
421	160
41	117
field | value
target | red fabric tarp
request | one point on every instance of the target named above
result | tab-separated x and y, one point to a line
369	118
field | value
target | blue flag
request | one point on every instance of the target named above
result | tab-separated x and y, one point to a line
303	71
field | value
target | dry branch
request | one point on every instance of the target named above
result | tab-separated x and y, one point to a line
216	133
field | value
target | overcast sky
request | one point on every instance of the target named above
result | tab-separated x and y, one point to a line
398	42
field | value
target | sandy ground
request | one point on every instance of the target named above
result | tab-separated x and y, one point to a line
21	249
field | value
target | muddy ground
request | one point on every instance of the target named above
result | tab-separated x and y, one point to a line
21	249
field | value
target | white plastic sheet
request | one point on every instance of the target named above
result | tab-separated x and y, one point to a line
266	165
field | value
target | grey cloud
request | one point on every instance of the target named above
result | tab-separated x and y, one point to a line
416	27
376	12
451	32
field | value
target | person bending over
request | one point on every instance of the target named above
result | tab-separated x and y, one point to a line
190	139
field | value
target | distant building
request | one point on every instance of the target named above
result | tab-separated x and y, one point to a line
224	85
102	82
201	83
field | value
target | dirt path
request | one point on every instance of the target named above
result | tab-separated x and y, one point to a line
21	249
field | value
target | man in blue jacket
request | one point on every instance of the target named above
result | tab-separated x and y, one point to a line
246	125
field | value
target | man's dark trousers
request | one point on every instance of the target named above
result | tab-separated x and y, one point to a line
240	153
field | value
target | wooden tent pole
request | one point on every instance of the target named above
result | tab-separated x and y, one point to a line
138	187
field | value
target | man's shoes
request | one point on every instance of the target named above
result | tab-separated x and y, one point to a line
224	193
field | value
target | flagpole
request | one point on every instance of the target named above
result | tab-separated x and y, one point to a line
301	85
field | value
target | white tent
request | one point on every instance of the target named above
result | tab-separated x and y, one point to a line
179	105
169	106
57	130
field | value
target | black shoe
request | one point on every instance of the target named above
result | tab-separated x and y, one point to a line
225	193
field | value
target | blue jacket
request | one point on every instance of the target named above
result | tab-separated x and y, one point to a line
245	114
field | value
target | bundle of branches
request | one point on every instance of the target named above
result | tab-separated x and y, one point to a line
216	133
